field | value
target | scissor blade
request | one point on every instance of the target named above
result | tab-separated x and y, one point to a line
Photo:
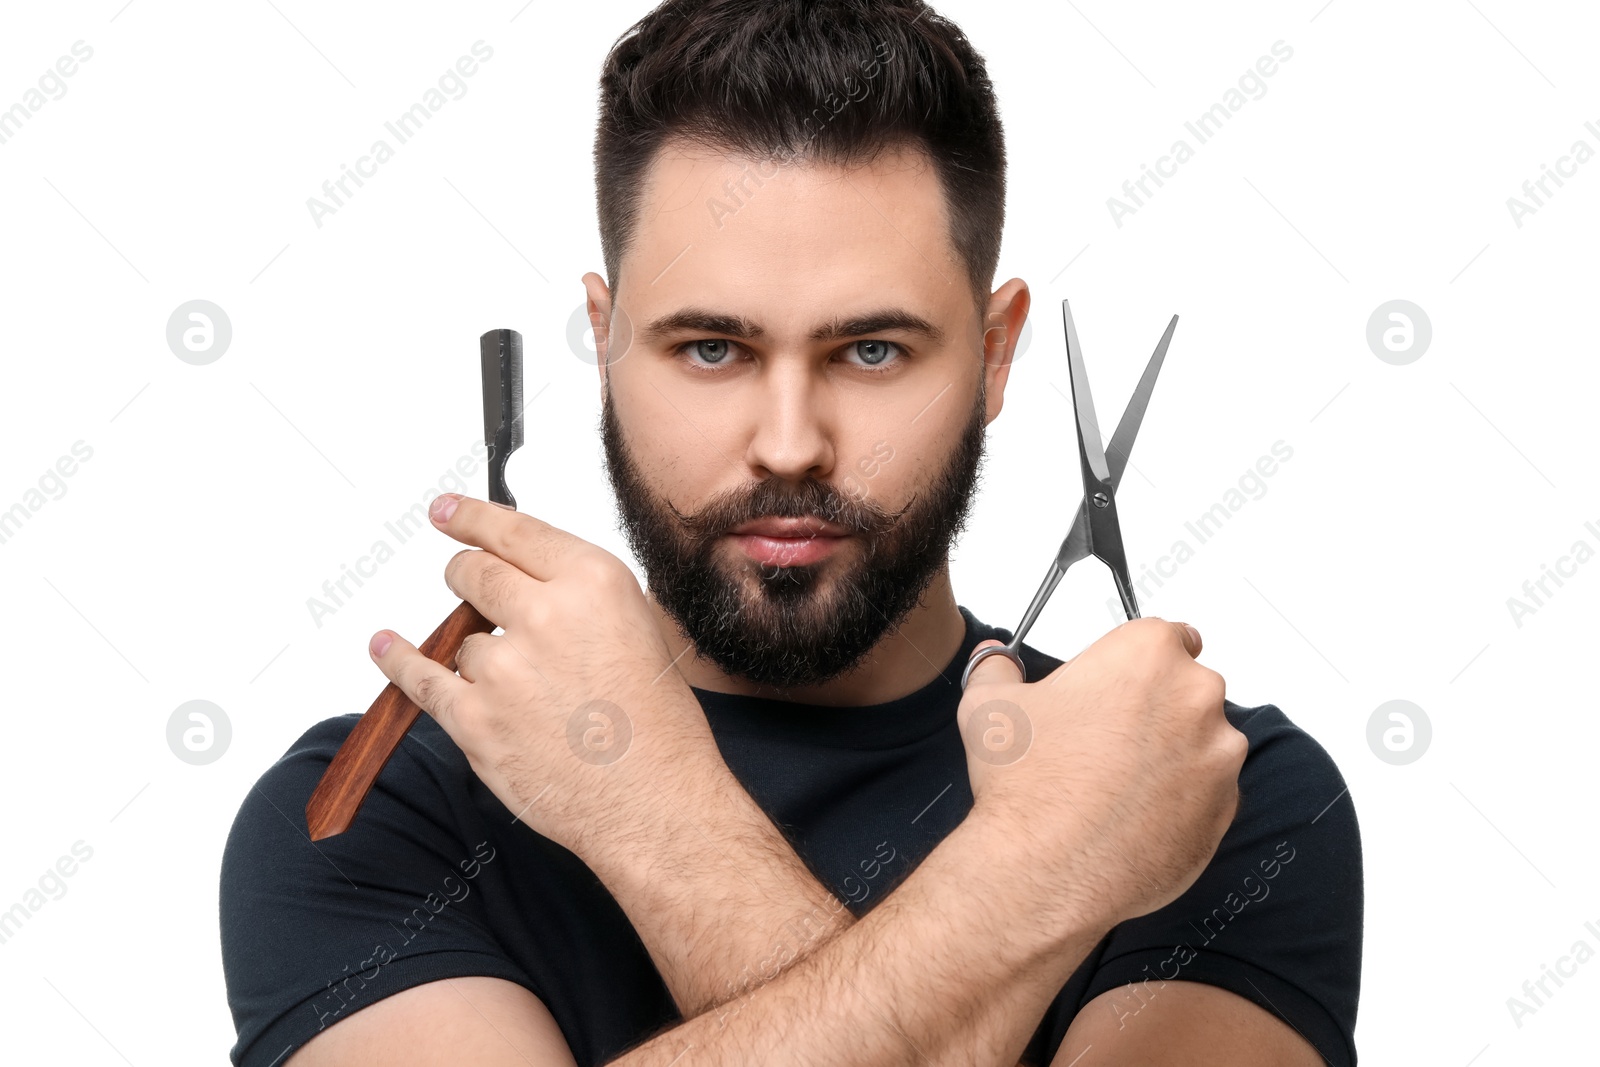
1089	446
1133	414
1076	544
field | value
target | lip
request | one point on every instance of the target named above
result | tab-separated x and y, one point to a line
788	551
780	528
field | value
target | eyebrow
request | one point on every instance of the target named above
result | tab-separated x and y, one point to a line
703	320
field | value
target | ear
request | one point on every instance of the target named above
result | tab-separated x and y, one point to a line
1002	329
597	302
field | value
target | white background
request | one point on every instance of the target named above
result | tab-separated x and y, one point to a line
178	561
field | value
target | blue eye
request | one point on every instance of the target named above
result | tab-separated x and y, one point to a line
879	351
713	350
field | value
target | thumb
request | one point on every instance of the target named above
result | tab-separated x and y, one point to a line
1190	637
993	668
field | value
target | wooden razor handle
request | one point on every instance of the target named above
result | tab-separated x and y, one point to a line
355	767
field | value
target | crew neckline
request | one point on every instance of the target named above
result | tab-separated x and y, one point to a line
910	718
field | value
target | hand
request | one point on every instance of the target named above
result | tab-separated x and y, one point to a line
1119	767
575	713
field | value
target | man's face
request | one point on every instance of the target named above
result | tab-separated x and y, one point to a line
742	383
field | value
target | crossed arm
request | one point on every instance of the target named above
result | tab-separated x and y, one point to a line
956	966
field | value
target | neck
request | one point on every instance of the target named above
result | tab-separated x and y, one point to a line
904	660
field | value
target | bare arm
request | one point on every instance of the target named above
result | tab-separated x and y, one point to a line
1186	1024
1137	737
957	966
715	891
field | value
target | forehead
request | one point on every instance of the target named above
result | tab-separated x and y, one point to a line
787	242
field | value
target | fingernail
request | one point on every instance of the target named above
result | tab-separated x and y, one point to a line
1192	632
444	506
507	507
380	644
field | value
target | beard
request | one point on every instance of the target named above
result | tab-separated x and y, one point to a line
790	626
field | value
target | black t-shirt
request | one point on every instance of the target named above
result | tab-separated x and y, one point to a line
435	880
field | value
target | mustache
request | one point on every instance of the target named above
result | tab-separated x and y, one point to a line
773	498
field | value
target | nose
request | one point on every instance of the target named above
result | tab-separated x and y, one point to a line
793	416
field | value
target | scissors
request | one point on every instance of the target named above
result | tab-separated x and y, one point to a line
1095	531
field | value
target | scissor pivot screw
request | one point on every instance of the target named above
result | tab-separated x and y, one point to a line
1100	500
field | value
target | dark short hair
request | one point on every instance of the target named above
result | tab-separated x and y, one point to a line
830	81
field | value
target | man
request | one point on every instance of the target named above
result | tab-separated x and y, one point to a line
752	817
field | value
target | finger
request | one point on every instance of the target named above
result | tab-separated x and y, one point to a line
531	545
500	591
993	668
490	658
1190	637
430	685
472	655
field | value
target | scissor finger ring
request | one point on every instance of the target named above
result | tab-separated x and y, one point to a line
993	650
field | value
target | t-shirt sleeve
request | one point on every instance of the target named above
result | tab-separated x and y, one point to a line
315	931
1277	915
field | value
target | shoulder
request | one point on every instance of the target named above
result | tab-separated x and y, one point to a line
312	931
1277	915
1289	779
418	812
425	762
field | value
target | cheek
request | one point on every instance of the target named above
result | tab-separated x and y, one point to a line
881	471
677	461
